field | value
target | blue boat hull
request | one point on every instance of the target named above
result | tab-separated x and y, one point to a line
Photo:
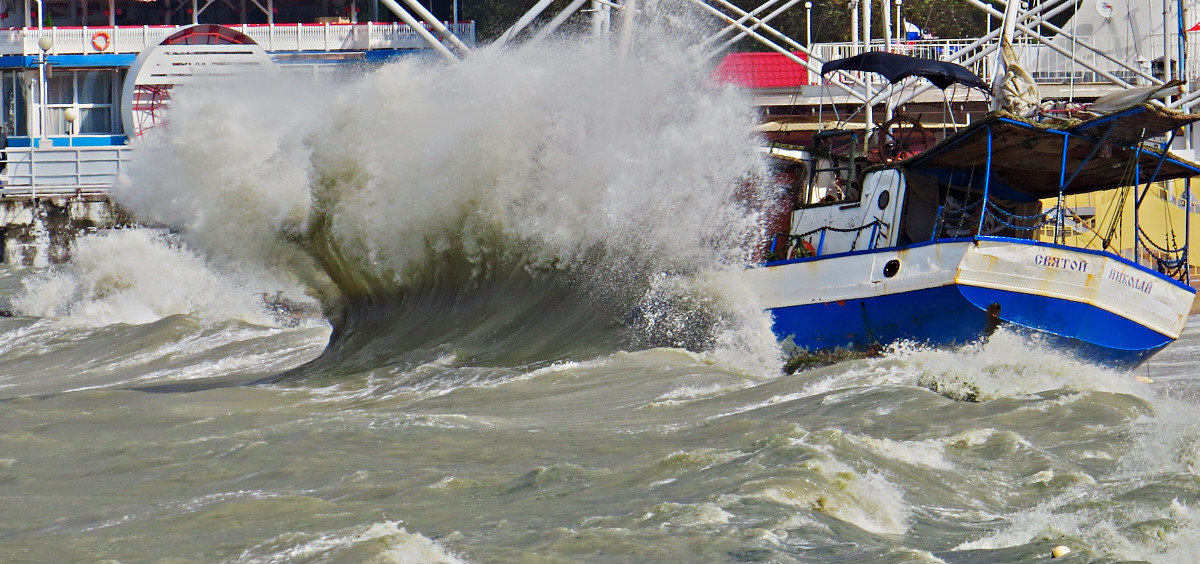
958	314
1097	305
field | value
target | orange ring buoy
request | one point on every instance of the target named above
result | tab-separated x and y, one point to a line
100	41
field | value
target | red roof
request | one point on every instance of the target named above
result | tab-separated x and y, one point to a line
761	70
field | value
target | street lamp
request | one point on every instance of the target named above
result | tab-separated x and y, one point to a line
46	43
808	24
71	114
901	29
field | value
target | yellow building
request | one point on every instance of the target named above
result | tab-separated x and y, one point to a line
1102	220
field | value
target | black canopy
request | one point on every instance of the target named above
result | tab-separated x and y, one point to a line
896	67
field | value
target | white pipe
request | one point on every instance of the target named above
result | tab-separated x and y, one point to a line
41	70
437	25
558	20
600	14
721	32
767	42
1043	22
887	25
420	29
1036	18
854	22
901	29
869	107
760	22
1189	98
629	10
524	21
781	36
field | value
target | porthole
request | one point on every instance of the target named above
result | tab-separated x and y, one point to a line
891	268
885	198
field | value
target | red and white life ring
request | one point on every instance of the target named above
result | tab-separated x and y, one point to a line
100	41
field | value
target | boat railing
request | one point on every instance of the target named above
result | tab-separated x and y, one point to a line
1172	262
62	171
878	229
290	37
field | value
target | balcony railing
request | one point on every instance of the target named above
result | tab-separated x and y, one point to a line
272	37
62	171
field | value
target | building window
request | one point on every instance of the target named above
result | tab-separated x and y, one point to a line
12	96
91	93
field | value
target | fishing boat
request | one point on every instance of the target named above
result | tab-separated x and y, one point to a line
941	242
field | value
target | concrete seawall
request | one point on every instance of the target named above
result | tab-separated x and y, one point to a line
40	231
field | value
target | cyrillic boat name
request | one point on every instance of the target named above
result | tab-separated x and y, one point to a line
1060	262
1131	281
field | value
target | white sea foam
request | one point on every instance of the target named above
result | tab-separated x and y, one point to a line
868	499
136	276
381	542
668	515
930	453
1007	365
629	167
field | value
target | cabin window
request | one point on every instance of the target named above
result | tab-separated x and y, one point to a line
12	95
92	93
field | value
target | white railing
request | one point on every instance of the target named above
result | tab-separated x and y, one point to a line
272	37
926	49
1044	63
62	170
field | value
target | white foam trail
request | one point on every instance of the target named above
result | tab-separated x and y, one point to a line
387	540
1007	365
136	276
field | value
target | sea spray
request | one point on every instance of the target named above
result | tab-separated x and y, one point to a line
137	276
562	170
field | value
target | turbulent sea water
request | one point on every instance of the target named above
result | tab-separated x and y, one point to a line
533	352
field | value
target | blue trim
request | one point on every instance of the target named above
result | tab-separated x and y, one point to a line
1103	120
69	61
954	315
987	181
96	60
386	55
1092	124
76	141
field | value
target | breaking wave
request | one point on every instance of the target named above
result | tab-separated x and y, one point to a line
523	206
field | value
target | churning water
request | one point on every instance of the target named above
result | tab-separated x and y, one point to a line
533	353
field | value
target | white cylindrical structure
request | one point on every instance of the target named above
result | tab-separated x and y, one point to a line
887	25
808	24
854	22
